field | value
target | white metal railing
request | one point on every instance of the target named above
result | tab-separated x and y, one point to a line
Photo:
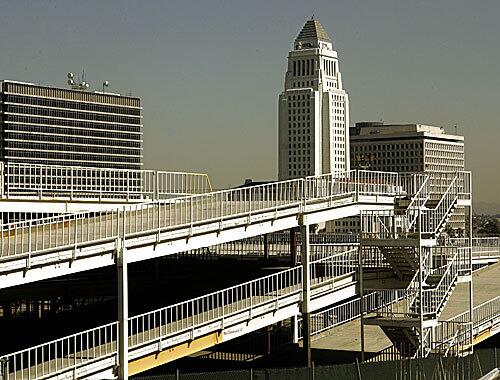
411	183
212	309
452	335
190	211
432	220
442	254
60	355
278	244
464	185
325	269
418	201
485	241
377	182
434	296
482	247
381	224
348	311
74	182
389	225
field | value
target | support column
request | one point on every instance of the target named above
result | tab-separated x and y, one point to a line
293	247
269	340
295	325
266	246
7	311
306	294
122	270
471	284
420	286
361	302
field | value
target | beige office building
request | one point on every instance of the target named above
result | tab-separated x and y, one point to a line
406	148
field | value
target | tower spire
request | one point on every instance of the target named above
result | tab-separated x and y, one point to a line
313	30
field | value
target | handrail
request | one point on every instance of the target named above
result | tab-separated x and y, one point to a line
56	181
417	202
383	224
350	310
434	217
333	266
192	210
167	321
61	354
432	298
482	247
449	337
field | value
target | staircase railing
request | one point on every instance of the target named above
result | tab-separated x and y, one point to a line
442	254
347	311
434	298
326	269
425	339
432	219
464	185
414	285
416	204
388	225
451	337
378	224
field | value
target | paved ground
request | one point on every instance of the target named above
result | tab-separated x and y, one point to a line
486	286
347	337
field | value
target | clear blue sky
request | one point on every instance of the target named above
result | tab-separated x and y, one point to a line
209	72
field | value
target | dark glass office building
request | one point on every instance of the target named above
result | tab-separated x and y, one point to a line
55	126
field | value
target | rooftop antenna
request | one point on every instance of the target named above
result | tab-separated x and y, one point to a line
456	130
79	84
105	84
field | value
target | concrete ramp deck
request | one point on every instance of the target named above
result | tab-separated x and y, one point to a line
346	337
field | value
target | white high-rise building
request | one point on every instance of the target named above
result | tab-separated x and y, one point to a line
313	132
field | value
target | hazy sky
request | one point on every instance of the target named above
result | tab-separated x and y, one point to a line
209	72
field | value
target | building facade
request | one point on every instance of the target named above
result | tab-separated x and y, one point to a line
407	148
313	131
50	126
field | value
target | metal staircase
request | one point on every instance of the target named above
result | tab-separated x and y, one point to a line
406	239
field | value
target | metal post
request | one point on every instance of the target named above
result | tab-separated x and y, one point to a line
3	176
269	338
361	302
356	184
156	191
306	294
471	284
3	368
121	265
266	246
293	247
420	283
71	185
295	326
